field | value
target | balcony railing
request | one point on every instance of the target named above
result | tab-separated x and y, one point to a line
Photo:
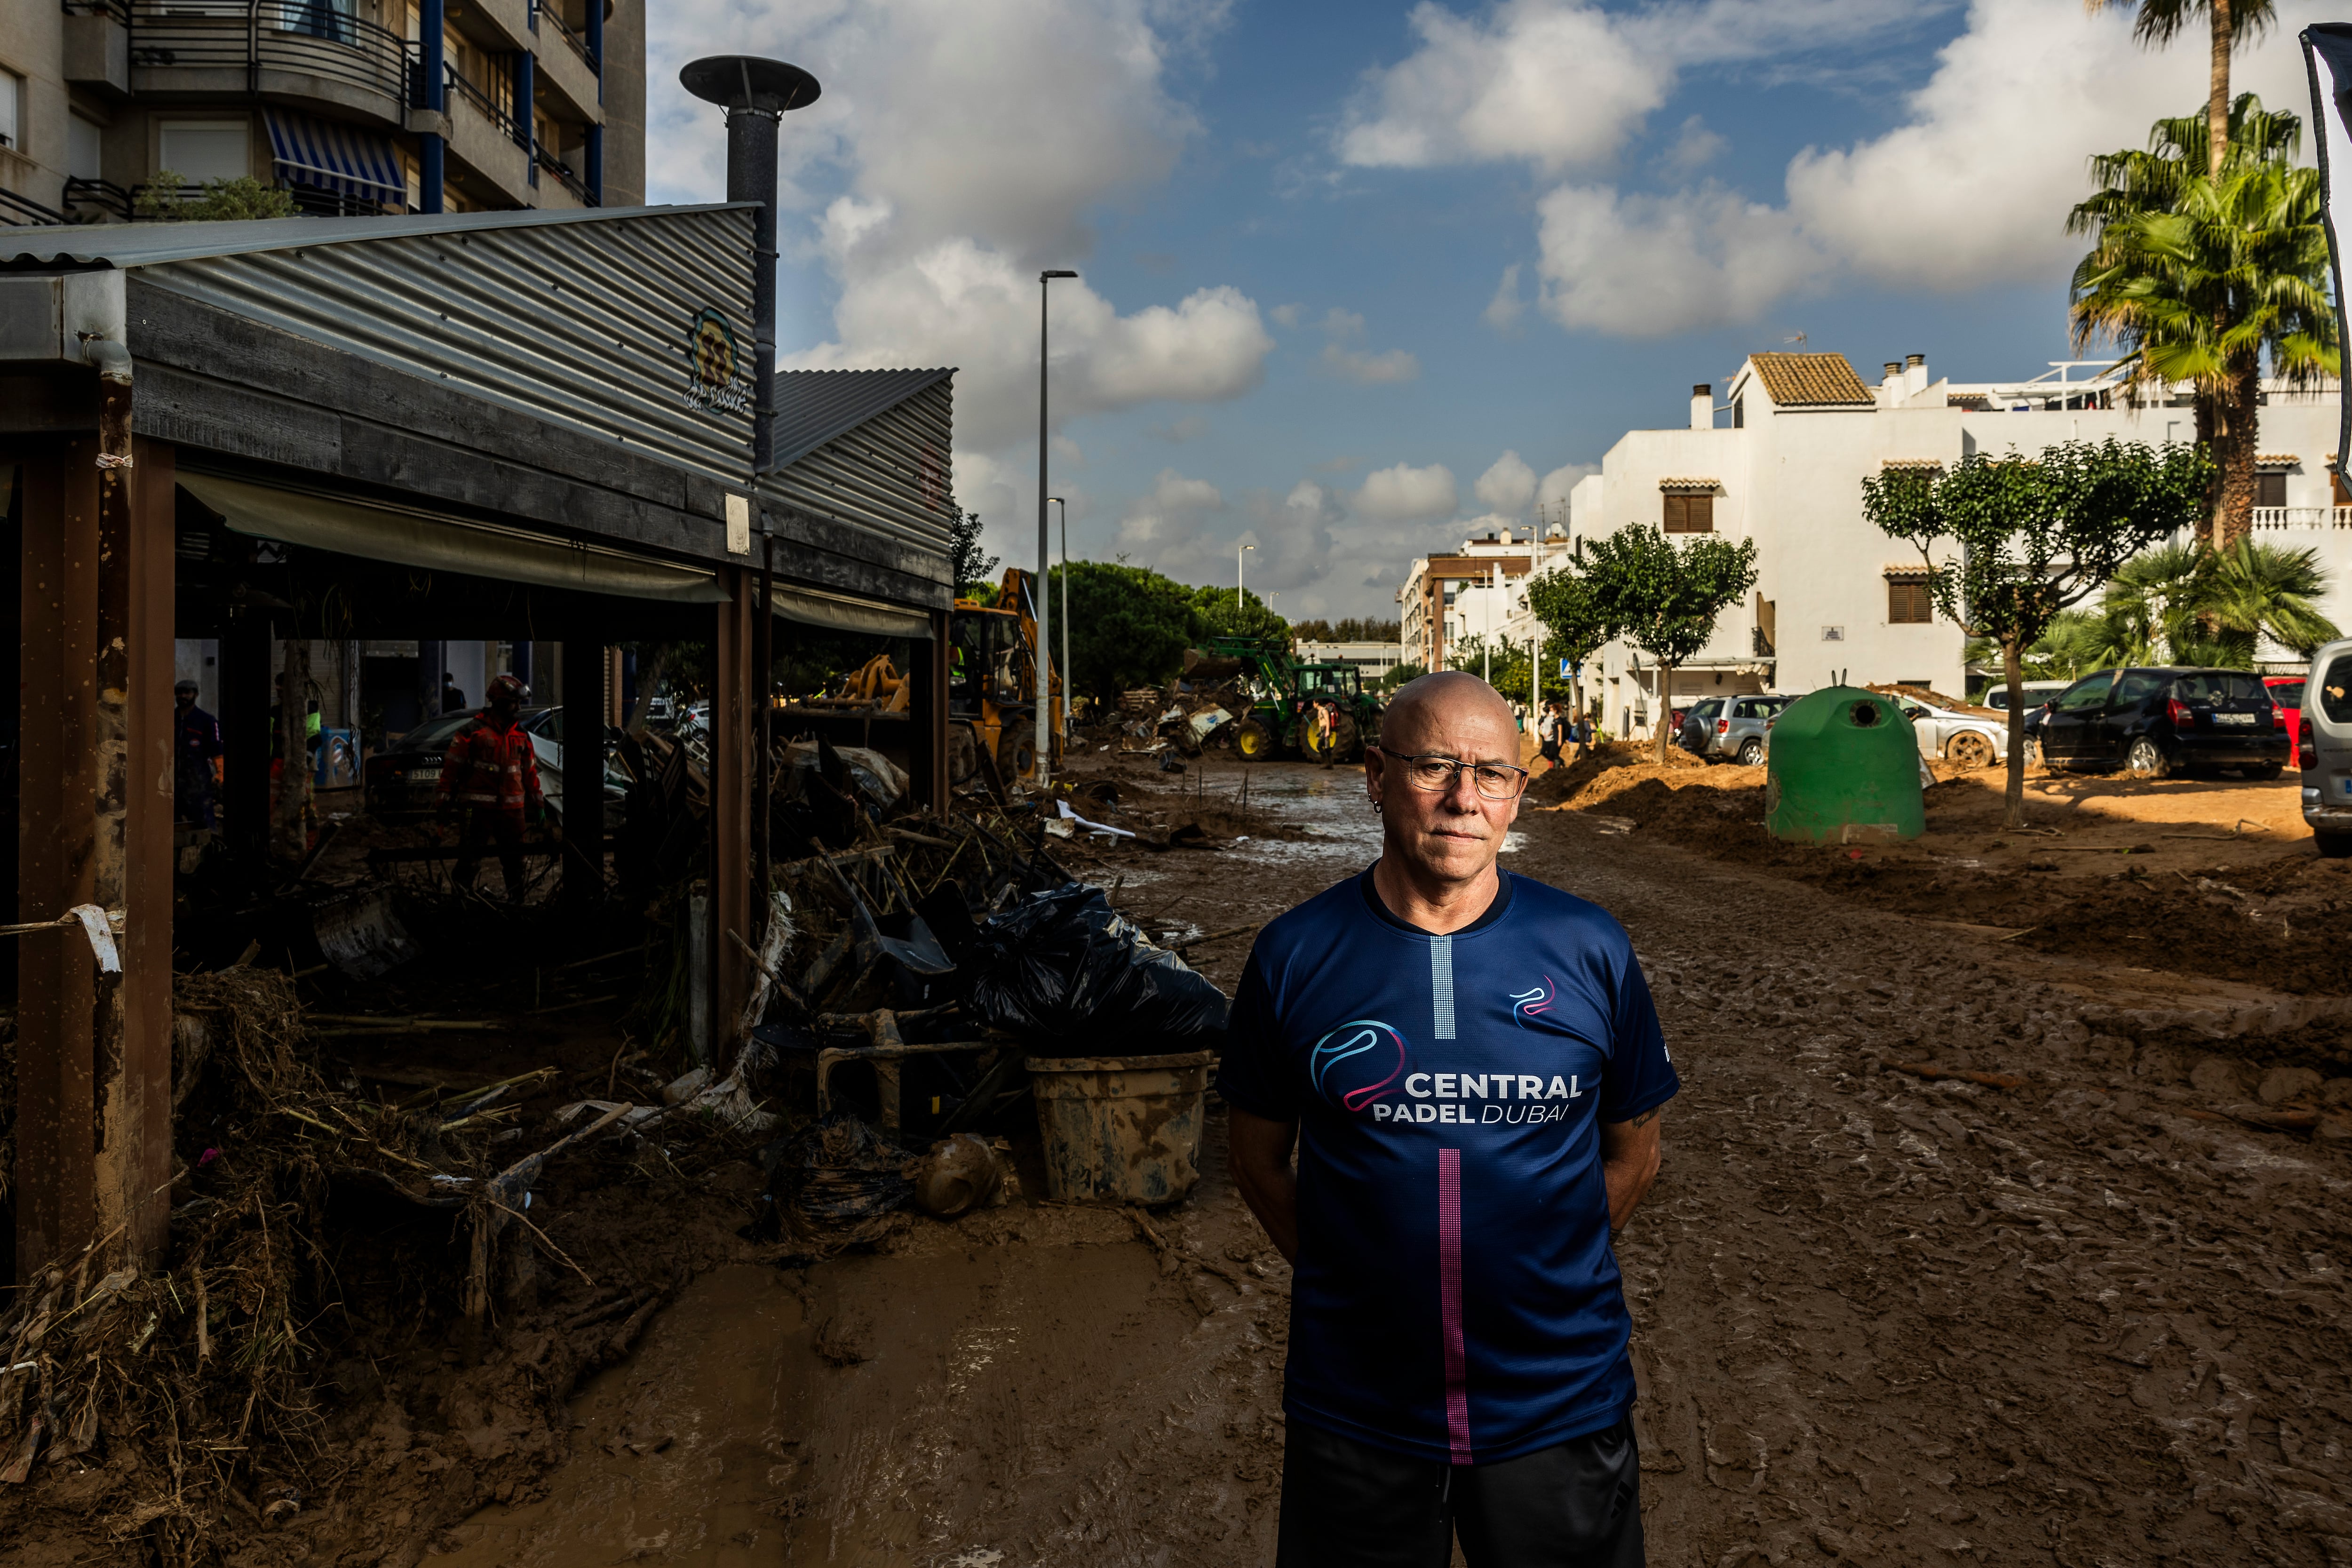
555	166
24	212
103	195
2267	518
309	38
579	45
495	113
118	9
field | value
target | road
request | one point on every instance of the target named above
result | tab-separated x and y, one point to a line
2090	1320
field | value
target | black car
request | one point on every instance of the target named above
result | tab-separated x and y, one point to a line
2165	721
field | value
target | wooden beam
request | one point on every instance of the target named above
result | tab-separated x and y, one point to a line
731	810
136	1162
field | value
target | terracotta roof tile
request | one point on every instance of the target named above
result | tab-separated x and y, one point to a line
1810	379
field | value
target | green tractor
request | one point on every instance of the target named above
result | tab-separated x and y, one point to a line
1319	711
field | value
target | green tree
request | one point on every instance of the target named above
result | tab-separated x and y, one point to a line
1214	614
2253	591
2197	276
1128	626
2035	536
1400	674
1662	597
222	201
972	568
2158	22
1573	614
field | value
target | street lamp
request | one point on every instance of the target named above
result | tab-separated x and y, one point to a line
1042	662
1058	501
1240	603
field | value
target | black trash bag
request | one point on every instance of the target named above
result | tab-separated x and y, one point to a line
833	1185
1068	971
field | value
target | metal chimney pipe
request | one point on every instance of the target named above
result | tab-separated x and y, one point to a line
757	94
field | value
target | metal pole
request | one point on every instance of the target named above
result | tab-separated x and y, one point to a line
751	177
1239	601
1065	617
1038	655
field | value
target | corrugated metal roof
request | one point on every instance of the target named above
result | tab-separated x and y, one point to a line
147	244
813	406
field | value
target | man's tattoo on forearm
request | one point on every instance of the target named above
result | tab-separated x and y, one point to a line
1646	1117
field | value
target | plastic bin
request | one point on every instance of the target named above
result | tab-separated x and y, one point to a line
1843	769
1121	1130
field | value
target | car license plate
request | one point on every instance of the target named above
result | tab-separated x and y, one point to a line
2343	788
2233	718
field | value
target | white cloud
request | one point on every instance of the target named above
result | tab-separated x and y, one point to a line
1564	83
1285	315
934	241
1971	190
1506	487
1406	494
1695	147
1504	311
1561	481
1343	330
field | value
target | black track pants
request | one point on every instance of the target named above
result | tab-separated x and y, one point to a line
1346	1504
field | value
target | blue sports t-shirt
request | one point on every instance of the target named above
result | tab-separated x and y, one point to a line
1455	1296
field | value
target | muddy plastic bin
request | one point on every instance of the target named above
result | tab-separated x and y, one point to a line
1121	1130
1843	769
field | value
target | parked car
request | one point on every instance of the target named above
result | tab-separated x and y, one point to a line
2160	722
2037	692
1695	724
2286	693
1735	731
2325	751
1967	740
406	776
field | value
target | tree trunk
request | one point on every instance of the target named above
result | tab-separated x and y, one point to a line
2216	101
2209	426
1665	708
287	839
2012	667
2239	435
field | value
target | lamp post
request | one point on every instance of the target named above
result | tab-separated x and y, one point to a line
1240	603
1058	501
1044	659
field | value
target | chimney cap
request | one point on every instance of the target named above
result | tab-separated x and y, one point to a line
1913	360
1894	367
741	82
1703	389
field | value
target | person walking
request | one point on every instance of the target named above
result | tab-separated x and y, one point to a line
453	697
1547	730
1470	1068
491	773
195	757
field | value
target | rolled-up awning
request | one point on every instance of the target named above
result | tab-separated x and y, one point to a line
840	613
335	157
407	538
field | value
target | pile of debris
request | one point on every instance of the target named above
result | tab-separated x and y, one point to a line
1194	711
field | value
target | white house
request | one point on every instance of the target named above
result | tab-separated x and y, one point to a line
1782	461
1374	659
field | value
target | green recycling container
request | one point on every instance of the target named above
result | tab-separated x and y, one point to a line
1843	769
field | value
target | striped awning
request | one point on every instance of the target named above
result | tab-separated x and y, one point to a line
334	157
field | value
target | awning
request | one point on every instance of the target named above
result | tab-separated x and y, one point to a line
840	613
407	538
335	157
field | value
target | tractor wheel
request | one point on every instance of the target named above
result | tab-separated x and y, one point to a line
963	753
1970	750
1253	742
1017	754
1326	747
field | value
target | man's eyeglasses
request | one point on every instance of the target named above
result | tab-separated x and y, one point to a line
1496	781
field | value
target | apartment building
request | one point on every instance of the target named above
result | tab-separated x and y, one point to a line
1478	591
1373	659
352	107
1782	461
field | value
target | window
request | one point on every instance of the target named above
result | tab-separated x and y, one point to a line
1739	413
2087	695
201	150
2211	686
1690	513
1907	602
2336	690
82	147
2270	489
11	100
2137	686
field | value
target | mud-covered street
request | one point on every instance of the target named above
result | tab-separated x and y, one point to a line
2081	1310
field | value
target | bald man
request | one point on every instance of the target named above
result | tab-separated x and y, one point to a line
1470	1068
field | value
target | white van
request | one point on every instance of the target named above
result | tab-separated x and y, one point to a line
2325	752
2037	692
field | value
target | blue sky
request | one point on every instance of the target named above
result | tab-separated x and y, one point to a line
1339	260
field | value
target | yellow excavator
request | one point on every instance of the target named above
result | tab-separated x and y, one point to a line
992	684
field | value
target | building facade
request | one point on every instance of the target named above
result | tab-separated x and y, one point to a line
113	109
1478	591
1782	461
1373	659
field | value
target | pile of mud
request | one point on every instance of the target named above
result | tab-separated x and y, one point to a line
2282	924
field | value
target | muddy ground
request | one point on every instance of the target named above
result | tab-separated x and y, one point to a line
2089	1312
2094	1319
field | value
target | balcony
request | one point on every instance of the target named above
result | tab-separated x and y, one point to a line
290	50
482	137
2269	519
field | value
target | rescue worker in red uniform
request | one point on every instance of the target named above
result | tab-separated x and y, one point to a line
491	774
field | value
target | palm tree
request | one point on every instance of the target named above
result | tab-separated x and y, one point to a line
2197	276
2227	21
2183	606
2270	590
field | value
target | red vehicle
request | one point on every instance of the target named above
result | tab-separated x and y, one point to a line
2286	696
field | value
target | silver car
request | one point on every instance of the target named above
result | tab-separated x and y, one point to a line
1968	740
1735	731
2325	752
